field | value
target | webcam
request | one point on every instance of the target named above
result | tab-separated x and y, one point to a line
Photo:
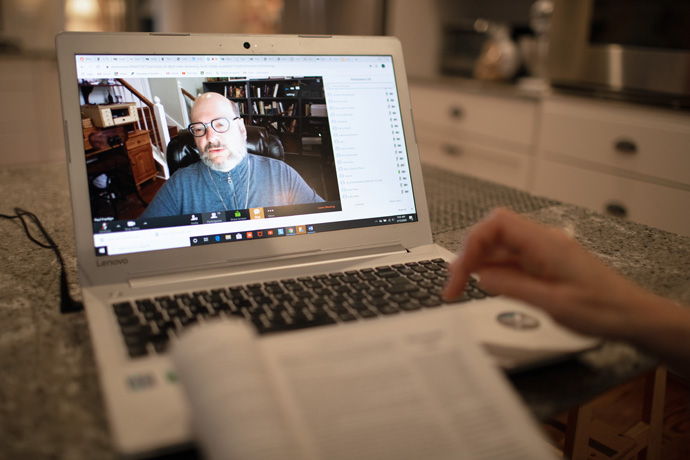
247	45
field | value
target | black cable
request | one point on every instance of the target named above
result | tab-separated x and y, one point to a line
67	303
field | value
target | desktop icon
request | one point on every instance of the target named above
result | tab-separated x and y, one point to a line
238	214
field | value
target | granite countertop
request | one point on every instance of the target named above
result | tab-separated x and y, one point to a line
50	401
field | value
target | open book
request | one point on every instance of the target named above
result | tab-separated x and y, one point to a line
415	387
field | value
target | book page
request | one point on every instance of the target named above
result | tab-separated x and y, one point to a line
234	410
411	387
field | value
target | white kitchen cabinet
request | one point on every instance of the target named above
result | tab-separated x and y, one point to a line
648	203
625	139
616	158
483	135
448	152
621	159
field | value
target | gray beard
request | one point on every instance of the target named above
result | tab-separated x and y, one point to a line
238	152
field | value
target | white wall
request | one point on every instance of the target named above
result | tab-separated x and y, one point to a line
168	92
198	16
30	119
417	24
33	24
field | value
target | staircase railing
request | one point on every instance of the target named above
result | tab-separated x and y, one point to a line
156	125
184	95
188	94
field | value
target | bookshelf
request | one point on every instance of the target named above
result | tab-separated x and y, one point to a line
292	108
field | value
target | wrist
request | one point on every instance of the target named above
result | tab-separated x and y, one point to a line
659	325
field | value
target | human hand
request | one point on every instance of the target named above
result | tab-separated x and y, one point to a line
542	266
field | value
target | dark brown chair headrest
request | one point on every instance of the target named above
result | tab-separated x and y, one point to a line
182	151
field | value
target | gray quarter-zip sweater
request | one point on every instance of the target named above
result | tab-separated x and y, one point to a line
263	183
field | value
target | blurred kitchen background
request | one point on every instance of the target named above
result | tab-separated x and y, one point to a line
438	36
584	101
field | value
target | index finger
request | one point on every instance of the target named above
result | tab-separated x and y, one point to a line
502	235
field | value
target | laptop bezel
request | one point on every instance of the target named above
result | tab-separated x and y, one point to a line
101	270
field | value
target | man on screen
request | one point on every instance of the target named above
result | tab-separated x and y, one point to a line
227	177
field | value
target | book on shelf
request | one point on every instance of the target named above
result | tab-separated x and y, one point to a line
318	110
409	387
315	110
312	140
266	90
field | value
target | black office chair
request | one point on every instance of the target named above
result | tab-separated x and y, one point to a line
182	151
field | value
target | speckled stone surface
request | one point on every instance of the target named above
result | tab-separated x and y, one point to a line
50	401
655	259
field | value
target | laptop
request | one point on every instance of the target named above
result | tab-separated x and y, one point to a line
340	109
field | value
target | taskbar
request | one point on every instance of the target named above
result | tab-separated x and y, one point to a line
111	225
273	232
298	230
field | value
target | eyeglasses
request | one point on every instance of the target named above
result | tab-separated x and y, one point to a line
219	125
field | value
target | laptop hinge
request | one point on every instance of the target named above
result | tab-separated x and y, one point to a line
268	265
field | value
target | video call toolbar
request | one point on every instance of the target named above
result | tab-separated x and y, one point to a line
110	225
292	230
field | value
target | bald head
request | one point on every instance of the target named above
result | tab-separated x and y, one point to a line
213	103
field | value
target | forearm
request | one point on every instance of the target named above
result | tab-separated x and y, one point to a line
662	327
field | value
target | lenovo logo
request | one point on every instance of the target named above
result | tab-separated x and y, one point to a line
110	263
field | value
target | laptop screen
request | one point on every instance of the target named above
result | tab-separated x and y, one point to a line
324	148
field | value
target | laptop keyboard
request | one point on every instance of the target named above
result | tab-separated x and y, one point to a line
148	325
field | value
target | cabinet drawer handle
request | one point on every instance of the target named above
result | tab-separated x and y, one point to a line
452	150
456	113
626	146
616	210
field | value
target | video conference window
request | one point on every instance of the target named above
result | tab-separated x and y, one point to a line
143	163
